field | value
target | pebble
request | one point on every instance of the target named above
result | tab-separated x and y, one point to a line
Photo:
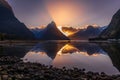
12	68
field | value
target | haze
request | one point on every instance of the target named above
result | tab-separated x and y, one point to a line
65	12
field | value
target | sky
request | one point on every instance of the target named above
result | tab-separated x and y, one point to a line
65	12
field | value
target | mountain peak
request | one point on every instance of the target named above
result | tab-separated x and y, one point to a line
90	27
5	4
51	32
52	23
10	25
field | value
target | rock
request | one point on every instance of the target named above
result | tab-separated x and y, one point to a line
32	71
118	78
5	77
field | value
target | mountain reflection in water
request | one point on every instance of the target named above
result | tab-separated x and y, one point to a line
91	56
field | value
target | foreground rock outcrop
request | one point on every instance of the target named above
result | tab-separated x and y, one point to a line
10	25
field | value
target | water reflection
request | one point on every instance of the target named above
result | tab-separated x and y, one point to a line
91	56
113	51
37	57
100	57
19	51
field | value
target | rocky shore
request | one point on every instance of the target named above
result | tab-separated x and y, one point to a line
13	68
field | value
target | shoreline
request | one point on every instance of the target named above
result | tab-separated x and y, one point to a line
14	68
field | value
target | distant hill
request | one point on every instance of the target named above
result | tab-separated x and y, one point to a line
36	32
76	34
69	30
87	33
51	32
10	25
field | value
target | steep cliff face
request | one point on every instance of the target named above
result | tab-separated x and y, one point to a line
10	25
113	30
51	32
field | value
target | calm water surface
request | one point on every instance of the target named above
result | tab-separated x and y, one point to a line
100	57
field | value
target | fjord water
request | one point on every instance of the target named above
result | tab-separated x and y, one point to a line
96	57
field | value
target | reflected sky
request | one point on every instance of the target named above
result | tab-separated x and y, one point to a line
81	55
37	57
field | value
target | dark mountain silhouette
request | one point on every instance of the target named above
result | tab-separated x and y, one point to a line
113	51
69	30
90	48
91	31
49	48
51	32
52	48
113	30
10	25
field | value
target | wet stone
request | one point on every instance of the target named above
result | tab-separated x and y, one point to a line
19	70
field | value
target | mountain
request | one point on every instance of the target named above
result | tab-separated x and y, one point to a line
103	28
51	32
10	25
69	30
113	30
36	32
87	33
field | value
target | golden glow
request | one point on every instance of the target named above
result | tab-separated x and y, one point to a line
60	28
95	54
83	53
32	53
69	48
67	33
66	49
62	12
38	27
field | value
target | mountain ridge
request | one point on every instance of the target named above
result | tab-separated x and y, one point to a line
10	25
5	4
51	32
113	29
87	33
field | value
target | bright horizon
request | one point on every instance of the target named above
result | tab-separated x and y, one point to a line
64	12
